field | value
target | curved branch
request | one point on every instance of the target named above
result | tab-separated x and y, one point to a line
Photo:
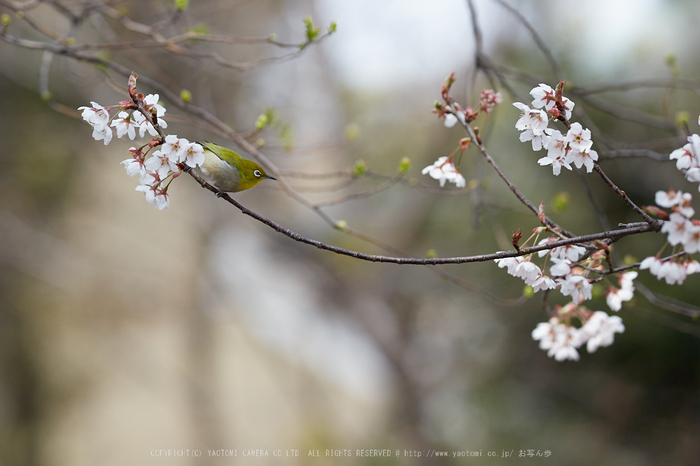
614	234
558	72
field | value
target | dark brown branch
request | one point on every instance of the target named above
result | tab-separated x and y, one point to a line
615	234
624	196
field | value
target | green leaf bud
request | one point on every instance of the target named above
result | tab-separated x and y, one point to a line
352	132
528	291
201	29
262	121
360	168
561	202
312	31
5	19
431	254
629	259
287	137
404	165
181	5
672	63
341	225
185	96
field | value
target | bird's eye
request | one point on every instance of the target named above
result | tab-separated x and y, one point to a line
257	173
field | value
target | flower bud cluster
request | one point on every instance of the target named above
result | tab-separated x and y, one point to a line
444	168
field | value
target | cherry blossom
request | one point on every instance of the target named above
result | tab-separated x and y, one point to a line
155	194
691	244
135	165
102	133
510	263
124	125
544	97
523	121
576	286
671	271
677	228
174	147
150	102
96	115
600	329
557	148
687	156
571	252
194	155
579	138
614	297
542	282
450	120
561	267
536	123
444	170
560	340
585	158
162	163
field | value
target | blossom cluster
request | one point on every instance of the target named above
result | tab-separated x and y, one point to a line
125	123
688	158
563	150
681	230
561	340
487	101
163	164
444	169
563	275
568	273
156	167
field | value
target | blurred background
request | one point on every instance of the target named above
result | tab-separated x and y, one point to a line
126	332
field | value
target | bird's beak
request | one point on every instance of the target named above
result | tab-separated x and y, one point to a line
270	177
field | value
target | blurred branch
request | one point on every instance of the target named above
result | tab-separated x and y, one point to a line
630	153
641	83
541	44
157	40
362	195
669	304
628	114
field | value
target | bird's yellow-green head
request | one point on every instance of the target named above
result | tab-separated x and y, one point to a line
228	171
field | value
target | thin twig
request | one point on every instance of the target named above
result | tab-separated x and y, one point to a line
623	195
370	192
544	48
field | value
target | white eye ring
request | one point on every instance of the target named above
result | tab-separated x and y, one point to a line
257	173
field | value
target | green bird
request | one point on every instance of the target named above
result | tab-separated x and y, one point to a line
228	171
